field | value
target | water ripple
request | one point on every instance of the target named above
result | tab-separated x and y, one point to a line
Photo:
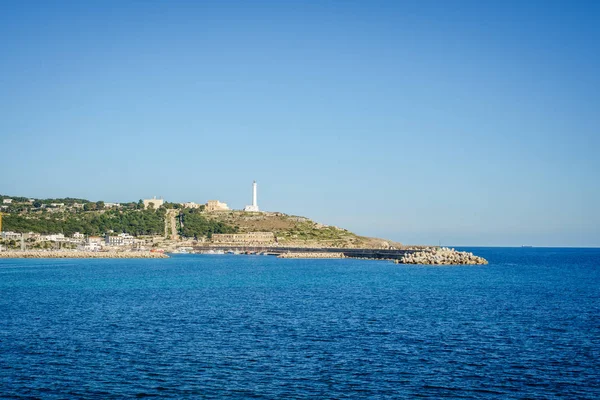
525	326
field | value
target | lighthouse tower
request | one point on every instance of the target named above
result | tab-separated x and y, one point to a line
254	206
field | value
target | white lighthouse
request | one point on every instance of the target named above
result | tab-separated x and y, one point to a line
254	206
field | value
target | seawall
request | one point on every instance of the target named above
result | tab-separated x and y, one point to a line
81	254
311	255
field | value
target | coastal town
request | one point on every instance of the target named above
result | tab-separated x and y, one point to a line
154	227
111	240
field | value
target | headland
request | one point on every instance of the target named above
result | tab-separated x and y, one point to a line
78	228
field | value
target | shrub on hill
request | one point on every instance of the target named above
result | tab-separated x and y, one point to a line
194	224
134	222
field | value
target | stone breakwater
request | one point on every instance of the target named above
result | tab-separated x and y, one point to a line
442	256
311	255
81	254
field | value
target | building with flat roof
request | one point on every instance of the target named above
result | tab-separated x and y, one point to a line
155	203
122	239
89	246
55	237
10	235
216	205
94	239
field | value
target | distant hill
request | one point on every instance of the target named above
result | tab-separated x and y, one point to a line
297	231
68	215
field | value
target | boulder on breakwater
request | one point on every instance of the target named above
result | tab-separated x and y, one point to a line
311	255
81	254
441	256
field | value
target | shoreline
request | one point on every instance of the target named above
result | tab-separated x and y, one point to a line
427	256
81	254
312	255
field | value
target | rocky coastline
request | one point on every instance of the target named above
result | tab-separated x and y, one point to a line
441	256
81	254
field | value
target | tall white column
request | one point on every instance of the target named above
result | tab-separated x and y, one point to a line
254	202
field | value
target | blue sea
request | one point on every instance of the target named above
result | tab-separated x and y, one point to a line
198	326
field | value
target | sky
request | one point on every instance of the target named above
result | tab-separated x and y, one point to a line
425	122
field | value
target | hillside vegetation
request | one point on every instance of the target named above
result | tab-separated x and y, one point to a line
296	231
134	222
69	216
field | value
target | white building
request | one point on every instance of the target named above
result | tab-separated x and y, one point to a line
78	236
91	246
94	239
111	205
11	235
254	206
122	239
7	201
55	237
155	203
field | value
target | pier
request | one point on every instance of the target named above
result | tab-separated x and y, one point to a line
377	254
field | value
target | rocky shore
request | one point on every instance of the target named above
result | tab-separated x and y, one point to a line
81	254
311	255
442	256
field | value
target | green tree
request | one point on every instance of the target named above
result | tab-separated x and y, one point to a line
196	225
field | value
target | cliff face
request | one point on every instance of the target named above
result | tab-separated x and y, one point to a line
297	231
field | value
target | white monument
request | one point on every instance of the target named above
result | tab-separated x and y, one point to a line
254	206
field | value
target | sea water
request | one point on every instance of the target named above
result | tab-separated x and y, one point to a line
525	326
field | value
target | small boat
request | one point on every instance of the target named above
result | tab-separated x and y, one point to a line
213	252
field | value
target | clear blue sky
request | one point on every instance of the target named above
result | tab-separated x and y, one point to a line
469	122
